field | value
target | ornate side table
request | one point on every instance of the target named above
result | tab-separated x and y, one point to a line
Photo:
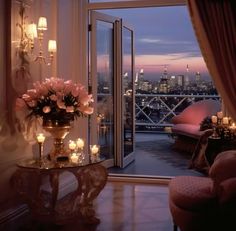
216	146
45	205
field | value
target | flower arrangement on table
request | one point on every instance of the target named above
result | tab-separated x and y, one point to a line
56	100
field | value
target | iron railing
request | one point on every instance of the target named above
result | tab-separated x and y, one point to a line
156	110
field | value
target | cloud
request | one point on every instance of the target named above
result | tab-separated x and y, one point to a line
177	56
164	41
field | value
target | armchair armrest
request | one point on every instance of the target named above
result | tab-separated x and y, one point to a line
227	193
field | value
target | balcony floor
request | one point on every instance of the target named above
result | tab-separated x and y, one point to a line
154	156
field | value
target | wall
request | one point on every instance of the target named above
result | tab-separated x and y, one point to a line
15	143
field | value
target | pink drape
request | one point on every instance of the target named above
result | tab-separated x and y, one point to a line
214	22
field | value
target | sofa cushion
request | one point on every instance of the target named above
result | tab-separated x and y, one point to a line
190	130
224	161
195	113
192	192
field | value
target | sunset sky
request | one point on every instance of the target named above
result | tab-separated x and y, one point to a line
163	36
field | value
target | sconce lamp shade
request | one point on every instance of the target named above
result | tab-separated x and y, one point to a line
32	31
52	46
42	24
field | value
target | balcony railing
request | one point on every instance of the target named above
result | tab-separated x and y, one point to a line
156	110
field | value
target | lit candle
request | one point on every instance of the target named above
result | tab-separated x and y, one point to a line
220	114
42	23
52	46
74	158
94	149
214	119
225	120
233	127
72	145
40	138
80	143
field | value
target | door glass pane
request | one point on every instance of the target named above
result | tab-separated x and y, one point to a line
105	96
127	91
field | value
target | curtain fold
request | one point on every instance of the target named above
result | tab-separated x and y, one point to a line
214	22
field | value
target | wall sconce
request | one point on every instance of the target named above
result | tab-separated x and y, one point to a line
29	32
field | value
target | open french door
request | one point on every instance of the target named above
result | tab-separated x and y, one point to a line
112	80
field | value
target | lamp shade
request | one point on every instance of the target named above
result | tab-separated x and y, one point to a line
52	46
32	31
42	24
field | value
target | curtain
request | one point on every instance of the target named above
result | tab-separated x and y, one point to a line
214	22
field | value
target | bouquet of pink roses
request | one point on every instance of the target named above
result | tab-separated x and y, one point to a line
56	99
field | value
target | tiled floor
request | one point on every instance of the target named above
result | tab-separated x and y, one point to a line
121	207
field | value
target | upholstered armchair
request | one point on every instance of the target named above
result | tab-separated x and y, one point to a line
206	203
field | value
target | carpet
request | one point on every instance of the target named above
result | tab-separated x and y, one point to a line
162	150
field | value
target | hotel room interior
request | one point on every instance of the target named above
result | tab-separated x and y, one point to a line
51	45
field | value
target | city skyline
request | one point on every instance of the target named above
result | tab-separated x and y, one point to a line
163	37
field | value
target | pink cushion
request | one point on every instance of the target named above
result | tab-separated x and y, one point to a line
227	192
224	167
188	130
195	113
191	192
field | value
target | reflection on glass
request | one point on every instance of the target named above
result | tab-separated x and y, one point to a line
105	78
127	92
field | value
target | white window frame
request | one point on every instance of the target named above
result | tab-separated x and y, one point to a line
85	7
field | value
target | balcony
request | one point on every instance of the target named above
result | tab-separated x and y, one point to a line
154	155
154	111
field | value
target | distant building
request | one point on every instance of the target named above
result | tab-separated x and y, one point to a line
186	78
198	77
164	86
140	79
180	80
173	81
147	86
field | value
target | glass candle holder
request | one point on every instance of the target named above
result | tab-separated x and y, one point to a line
74	158
72	146
40	138
94	153
80	144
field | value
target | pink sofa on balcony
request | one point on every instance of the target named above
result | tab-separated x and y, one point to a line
186	125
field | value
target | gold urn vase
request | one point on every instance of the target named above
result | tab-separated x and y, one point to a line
58	130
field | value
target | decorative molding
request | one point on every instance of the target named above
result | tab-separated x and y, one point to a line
139	179
134	4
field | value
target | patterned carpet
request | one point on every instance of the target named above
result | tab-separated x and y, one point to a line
156	157
163	150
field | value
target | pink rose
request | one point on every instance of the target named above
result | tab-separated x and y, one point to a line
26	97
43	90
75	91
58	85
68	88
61	104
53	97
70	109
48	83
86	99
86	109
46	109
20	104
32	103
